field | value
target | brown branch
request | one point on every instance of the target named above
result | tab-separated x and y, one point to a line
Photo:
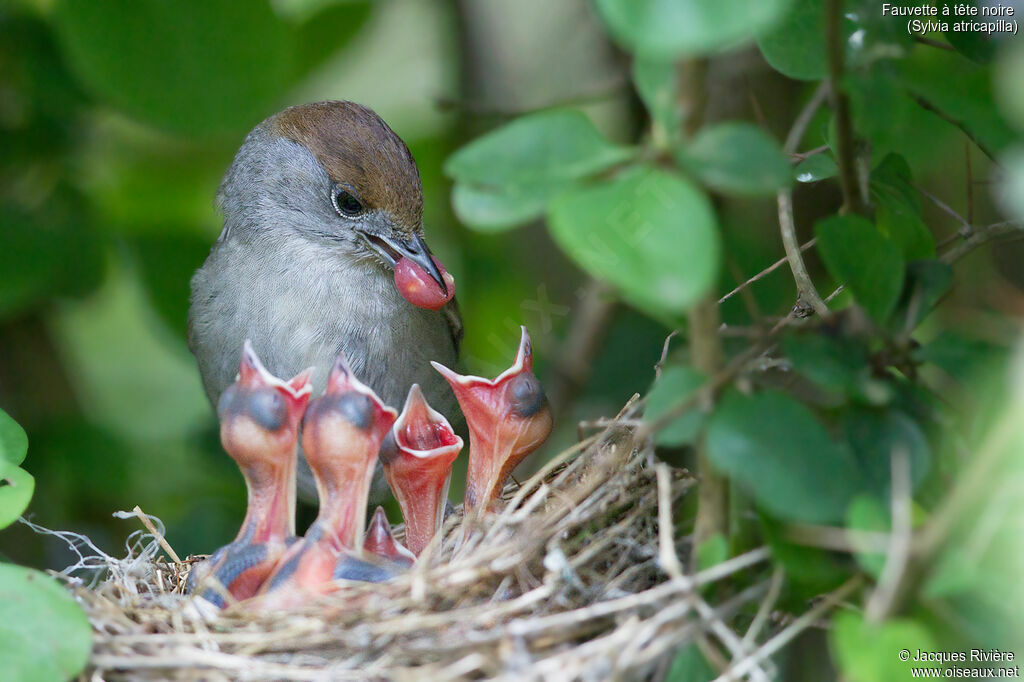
965	225
600	93
934	43
746	665
926	104
787	225
764	273
969	180
1011	230
713	493
787	228
803	156
587	328
841	108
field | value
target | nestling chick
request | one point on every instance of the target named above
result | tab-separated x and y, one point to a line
341	434
418	456
321	203
259	416
508	418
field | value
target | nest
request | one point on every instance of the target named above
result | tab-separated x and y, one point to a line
577	576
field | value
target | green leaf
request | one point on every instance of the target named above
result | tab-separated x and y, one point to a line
675	385
656	82
959	356
49	253
815	168
167	262
871	36
1009	85
192	66
810	571
712	551
13	441
1010	189
929	280
873	437
954	572
327	31
737	158
795	46
689	665
667	29
870	653
507	177
961	90
648	232
775	448
44	634
489	209
836	363
866	513
859	256
549	146
898	213
900	224
16	488
977	45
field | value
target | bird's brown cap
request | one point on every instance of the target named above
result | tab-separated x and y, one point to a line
360	153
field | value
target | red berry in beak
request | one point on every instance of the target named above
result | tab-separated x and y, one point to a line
418	287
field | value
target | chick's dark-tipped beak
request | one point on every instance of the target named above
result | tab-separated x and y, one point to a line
414	248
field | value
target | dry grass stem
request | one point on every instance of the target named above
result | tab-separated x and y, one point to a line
578	576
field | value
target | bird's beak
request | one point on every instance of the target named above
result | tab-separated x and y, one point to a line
417	459
508	418
380	542
414	248
341	436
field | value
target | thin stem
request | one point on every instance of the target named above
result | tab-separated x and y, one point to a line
965	225
787	225
884	599
841	108
927	104
934	43
969	179
983	235
767	271
713	493
804	284
780	640
587	328
705	346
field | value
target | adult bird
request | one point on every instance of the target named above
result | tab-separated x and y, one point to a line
320	204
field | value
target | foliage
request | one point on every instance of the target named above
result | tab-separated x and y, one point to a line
44	634
862	393
118	120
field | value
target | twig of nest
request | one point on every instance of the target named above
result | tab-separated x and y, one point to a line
564	581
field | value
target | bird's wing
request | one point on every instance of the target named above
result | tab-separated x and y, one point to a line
454	319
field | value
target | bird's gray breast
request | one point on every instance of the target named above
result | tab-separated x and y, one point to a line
300	308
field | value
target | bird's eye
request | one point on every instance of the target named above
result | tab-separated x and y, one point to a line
346	204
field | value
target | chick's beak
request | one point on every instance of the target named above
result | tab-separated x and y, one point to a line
417	459
508	418
381	543
341	435
414	248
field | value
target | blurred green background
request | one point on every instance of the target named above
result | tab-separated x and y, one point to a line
118	119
